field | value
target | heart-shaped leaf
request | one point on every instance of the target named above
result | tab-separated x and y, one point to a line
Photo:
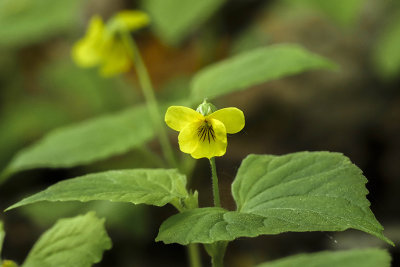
299	192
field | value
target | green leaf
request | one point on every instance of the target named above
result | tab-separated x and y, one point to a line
86	142
2	235
253	68
73	242
299	192
306	191
350	258
386	57
172	28
139	186
27	21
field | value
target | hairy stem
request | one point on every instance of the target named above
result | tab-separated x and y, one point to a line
217	201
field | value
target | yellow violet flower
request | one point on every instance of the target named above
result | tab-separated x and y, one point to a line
203	132
103	44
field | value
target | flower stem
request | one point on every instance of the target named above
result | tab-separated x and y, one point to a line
217	201
148	92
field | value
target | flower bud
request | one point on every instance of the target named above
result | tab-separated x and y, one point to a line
206	108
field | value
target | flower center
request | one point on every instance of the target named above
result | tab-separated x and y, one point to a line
206	132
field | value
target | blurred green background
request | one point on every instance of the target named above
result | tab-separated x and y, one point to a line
355	110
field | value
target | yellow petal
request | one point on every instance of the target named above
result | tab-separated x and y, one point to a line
131	19
177	117
188	138
214	147
232	118
115	58
85	52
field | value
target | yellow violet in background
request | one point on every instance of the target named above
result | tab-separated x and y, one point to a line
203	132
8	263
103	44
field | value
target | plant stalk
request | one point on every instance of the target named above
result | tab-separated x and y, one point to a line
148	92
194	255
217	201
151	101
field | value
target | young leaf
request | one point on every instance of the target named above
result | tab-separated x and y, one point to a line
255	67
350	258
306	191
172	28
156	187
309	191
73	242
86	142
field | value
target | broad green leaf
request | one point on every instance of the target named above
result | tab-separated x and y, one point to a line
2	235
173	20
27	21
350	258
386	56
73	242
86	142
306	191
309	191
139	186
255	67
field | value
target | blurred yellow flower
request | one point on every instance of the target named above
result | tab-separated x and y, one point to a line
103	44
204	135
8	263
